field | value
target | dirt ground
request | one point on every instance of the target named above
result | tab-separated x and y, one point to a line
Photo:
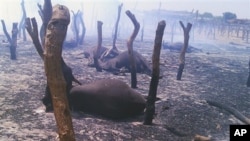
219	74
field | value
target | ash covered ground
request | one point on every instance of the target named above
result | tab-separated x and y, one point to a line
219	73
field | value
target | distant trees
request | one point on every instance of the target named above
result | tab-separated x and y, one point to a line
229	16
207	15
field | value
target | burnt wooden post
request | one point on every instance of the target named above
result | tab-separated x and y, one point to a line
186	31
130	48
45	14
116	27
22	23
55	35
248	80
98	48
150	105
33	32
75	26
81	40
114	49
12	40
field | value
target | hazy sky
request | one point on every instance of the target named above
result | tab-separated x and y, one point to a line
10	10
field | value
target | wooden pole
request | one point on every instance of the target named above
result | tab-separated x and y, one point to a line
33	32
12	40
98	48
130	48
116	27
248	79
81	40
22	23
186	31
55	35
150	105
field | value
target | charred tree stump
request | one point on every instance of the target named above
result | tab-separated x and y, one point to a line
55	35
114	49
22	23
142	31
150	105
248	80
12	40
45	14
116	28
130	48
75	26
33	32
186	31
98	48
81	40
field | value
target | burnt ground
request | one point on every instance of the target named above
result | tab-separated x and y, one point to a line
219	74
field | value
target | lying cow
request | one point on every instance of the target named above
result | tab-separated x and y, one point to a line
122	61
115	62
178	46
110	98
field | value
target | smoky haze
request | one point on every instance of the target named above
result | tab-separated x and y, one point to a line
106	11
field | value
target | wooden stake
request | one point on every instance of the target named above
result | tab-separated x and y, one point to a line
130	48
150	105
12	40
186	31
98	48
55	35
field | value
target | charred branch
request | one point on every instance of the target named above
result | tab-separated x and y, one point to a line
12	40
22	23
98	48
130	48
81	40
248	79
150	105
32	29
116	27
75	26
186	31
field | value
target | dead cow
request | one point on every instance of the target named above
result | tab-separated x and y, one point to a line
122	61
108	97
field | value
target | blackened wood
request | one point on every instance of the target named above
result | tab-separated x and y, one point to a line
45	14
13	44
186	31
75	27
98	48
12	40
6	32
81	40
32	29
130	48
22	23
116	27
150	105
55	35
248	80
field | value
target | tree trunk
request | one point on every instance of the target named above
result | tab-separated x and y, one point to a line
186	31
98	48
22	23
130	48
248	80
12	40
13	44
116	27
55	35
75	26
150	105
33	32
81	40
